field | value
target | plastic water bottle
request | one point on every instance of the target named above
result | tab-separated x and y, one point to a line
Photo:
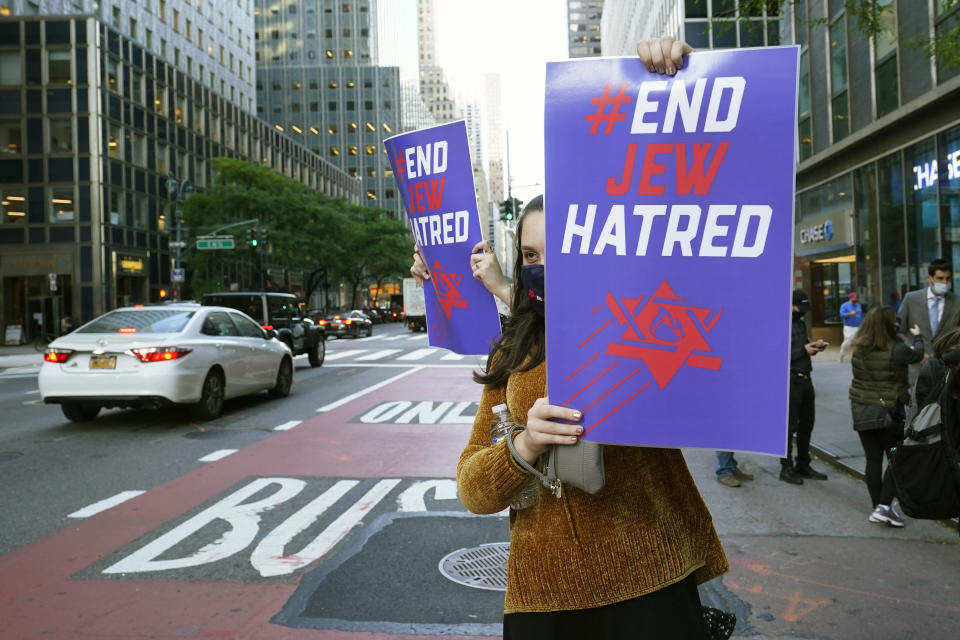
499	429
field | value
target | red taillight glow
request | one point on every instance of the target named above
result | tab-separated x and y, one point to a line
126	330
267	327
138	306
57	356
322	322
160	354
347	321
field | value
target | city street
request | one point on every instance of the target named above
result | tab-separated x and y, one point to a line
333	513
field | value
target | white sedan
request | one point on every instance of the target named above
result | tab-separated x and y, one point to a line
160	355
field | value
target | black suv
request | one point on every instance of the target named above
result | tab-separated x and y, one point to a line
281	313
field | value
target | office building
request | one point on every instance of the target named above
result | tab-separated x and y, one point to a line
92	125
583	27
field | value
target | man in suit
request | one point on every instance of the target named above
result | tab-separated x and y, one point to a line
933	308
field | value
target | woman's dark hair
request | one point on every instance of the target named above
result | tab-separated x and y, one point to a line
947	341
522	346
878	330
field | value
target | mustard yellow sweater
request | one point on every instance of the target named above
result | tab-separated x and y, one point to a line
646	529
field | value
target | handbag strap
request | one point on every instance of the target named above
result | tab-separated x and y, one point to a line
552	485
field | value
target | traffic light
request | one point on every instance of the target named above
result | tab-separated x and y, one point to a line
252	237
506	210
517	207
265	236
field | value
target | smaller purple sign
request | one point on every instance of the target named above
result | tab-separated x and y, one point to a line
435	178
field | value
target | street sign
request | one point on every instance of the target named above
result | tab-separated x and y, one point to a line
177	244
53	282
215	242
177	275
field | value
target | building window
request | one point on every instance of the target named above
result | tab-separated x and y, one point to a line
112	75
838	79
116	206
371	194
13	204
371	149
334	151
885	60
10	71
11	136
61	135
113	142
58	67
352	127
61	204
332	129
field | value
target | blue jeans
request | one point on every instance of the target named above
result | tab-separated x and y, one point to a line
726	463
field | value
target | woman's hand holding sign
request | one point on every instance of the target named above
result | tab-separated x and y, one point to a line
664	55
486	269
541	431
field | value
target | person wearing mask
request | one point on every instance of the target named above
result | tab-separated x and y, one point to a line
851	312
648	526
879	385
933	308
802	411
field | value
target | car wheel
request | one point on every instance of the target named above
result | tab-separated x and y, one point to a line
284	379
318	353
369	331
211	397
79	412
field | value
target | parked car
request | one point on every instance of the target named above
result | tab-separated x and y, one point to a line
281	313
374	314
350	323
161	355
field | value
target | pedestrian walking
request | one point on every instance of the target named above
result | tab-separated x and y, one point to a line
851	312
648	526
802	409
932	308
879	390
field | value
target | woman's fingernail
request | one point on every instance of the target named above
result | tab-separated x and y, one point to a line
579	430
577	415
671	70
573	439
651	68
659	69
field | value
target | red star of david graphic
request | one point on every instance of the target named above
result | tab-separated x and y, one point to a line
447	283
398	165
664	333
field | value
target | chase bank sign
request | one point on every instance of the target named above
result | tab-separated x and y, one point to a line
817	233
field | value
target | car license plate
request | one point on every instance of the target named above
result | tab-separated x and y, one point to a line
103	362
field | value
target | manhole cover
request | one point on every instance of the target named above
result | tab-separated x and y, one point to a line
9	455
225	433
483	567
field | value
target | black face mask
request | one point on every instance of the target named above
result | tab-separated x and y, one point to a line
531	275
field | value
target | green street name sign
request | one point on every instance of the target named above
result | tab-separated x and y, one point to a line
215	242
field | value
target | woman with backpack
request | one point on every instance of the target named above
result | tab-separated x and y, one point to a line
878	393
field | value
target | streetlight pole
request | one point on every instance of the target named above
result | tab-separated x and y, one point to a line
180	190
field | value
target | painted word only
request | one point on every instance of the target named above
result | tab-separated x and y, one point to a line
685	109
441	228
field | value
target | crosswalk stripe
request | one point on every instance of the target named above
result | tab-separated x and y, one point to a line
421	336
418	354
379	355
397	337
452	356
367	338
337	355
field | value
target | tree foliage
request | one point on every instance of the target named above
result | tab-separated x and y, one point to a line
324	237
869	17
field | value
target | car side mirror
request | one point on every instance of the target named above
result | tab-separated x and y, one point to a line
271	333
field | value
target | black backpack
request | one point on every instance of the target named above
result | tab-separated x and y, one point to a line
926	465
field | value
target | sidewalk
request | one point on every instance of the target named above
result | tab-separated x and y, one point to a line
833	437
22	355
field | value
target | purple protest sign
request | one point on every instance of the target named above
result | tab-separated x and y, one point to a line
669	228
435	178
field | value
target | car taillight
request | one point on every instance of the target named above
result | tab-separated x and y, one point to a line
347	321
160	354
322	322
57	356
126	330
267	327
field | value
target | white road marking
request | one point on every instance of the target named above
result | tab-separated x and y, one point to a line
354	396
338	355
29	393
402	365
397	337
367	338
418	354
421	336
286	426
379	355
452	356
217	455
105	504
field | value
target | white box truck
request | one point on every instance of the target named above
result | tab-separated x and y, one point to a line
414	307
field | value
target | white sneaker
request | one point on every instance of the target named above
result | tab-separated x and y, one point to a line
886	515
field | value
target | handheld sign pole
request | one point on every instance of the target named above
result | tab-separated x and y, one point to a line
434	176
